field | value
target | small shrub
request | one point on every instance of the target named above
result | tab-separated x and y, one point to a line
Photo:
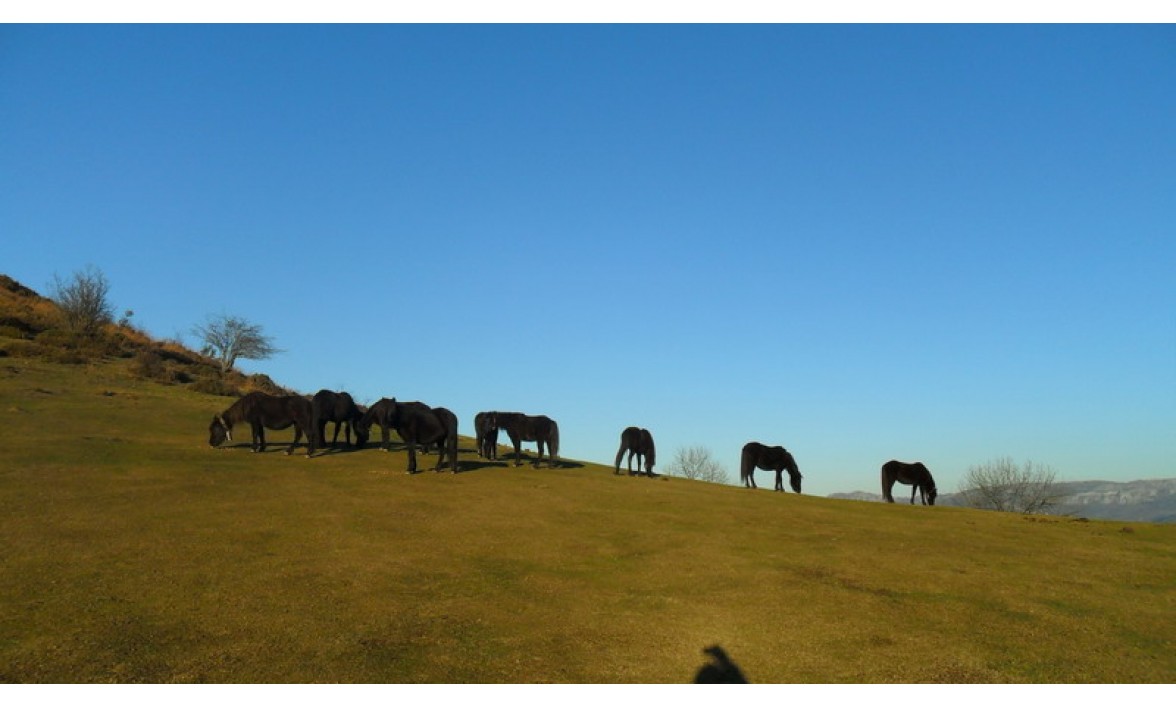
23	349
215	387
263	383
11	332
83	300
149	365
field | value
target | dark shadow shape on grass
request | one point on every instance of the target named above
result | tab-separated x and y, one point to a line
719	668
271	447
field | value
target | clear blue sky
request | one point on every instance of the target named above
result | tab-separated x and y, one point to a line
936	243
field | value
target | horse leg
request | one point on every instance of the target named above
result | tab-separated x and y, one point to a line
638	454
914	491
539	453
780	480
451	446
258	437
518	446
298	439
620	454
411	456
449	450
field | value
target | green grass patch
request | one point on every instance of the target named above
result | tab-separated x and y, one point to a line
135	553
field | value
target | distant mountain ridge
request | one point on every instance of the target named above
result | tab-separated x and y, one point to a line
1151	500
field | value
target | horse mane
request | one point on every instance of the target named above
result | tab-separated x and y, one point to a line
375	411
240	409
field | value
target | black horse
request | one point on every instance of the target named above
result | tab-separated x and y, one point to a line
486	431
768	458
536	428
639	442
417	424
261	411
378	413
912	473
340	409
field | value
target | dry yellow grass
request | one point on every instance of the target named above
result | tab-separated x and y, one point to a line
133	552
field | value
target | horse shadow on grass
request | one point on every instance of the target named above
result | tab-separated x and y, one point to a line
474	463
281	447
719	668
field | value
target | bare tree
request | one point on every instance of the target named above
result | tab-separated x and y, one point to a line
696	463
227	338
83	300
1003	485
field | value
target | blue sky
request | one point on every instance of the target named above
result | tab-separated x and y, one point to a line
942	243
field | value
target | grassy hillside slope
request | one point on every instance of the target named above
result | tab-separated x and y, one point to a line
134	552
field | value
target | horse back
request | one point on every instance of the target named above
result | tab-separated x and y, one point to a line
448	420
377	412
335	405
421	423
768	458
906	472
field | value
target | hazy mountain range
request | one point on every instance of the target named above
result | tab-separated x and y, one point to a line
1151	500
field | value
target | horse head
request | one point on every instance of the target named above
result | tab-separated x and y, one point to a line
794	475
362	432
794	479
219	431
927	483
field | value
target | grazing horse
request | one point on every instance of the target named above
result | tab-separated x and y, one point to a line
538	429
340	409
419	424
262	411
768	458
486	430
639	442
378	414
912	473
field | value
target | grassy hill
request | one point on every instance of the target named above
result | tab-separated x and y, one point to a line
133	552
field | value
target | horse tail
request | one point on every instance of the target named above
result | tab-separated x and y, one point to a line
746	463
887	482
553	444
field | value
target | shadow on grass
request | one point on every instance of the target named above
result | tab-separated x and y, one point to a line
467	457
719	668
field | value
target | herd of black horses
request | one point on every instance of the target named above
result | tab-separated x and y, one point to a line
423	426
